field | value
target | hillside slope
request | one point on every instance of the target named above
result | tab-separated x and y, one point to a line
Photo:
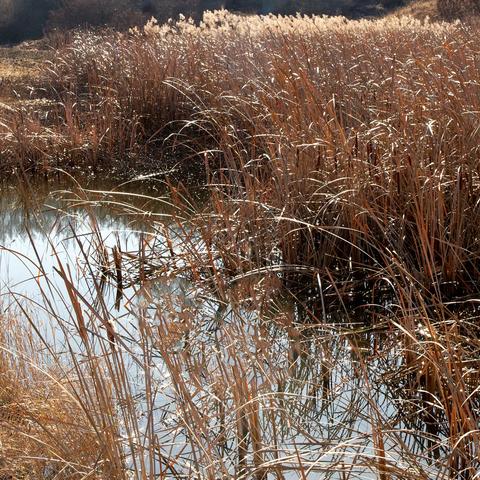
420	9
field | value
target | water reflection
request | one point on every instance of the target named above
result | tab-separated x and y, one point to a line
49	227
224	388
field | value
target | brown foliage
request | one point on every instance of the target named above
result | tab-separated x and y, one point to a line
95	13
453	9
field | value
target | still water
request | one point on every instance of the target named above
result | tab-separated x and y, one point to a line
321	388
50	226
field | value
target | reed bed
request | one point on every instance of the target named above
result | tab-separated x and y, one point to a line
180	380
346	145
315	316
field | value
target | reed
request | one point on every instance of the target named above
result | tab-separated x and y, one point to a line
355	140
315	315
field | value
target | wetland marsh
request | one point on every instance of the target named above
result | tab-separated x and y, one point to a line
284	282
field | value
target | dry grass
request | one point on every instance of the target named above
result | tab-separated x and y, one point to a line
466	10
43	431
249	382
129	105
420	9
20	71
315	317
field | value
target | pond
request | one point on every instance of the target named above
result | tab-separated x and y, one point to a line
210	385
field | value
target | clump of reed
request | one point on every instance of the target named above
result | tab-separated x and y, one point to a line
44	432
188	382
354	142
341	160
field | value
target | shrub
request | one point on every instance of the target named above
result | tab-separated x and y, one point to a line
95	13
452	9
22	19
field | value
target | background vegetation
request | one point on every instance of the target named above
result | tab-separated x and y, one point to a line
24	19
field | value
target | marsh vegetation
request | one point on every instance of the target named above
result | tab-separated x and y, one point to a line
291	286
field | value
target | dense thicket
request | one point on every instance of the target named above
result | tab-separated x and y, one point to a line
20	19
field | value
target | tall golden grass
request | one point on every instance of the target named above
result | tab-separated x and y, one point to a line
372	123
341	161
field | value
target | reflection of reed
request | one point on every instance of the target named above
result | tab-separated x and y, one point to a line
272	386
44	208
247	379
